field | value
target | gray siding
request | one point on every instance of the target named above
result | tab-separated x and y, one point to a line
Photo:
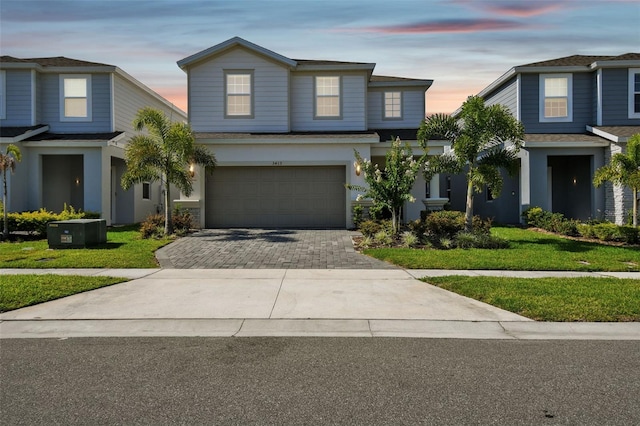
270	94
615	102
18	102
129	98
582	105
353	103
506	95
413	109
100	105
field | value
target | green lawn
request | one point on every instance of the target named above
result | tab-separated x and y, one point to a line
552	299
124	249
18	291
529	251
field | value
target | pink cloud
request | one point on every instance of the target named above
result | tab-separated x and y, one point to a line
522	10
446	26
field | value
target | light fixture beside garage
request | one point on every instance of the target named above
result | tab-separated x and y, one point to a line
358	168
192	171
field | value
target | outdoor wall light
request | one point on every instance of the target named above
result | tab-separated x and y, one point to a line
77	181
358	168
192	171
575	181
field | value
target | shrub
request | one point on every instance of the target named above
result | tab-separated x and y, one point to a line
379	212
35	222
182	221
153	226
409	239
383	237
369	228
606	231
448	224
358	212
568	227
629	234
467	240
586	230
446	243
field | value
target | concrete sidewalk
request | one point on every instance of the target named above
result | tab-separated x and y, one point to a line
288	302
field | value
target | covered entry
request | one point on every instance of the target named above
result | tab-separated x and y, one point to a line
276	197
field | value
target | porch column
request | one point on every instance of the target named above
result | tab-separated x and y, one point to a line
435	202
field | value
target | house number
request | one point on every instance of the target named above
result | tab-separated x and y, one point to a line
277	163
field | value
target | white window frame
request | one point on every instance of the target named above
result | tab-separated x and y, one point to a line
63	117
633	92
385	111
249	95
3	94
317	96
569	117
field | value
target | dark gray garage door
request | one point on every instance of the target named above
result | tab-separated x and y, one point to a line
276	197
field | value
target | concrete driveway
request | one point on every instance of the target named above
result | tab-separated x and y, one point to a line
266	249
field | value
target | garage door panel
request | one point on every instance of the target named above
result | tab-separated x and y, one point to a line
303	197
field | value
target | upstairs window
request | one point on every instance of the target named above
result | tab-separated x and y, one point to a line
555	98
393	105
328	97
239	93
3	95
75	98
634	93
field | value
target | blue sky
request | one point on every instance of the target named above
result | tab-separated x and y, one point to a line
463	45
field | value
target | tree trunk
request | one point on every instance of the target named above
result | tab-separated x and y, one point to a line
468	215
168	226
635	207
5	228
394	223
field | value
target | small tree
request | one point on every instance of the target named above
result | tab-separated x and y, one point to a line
163	154
485	139
8	161
390	188
624	169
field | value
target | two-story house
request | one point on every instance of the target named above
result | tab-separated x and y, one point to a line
284	133
71	120
577	111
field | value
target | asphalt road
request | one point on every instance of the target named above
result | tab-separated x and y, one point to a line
318	381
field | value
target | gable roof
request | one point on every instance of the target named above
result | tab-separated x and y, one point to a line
57	61
574	63
231	43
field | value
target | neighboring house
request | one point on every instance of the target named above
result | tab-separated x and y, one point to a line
71	120
577	111
284	132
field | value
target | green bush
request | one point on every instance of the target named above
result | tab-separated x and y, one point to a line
586	230
369	228
358	212
606	231
629	234
383	237
467	240
182	221
153	226
448	223
409	239
35	222
379	212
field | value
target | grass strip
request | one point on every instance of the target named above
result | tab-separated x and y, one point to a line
18	291
529	251
552	299
124	249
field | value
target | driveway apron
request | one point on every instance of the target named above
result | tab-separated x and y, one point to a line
266	249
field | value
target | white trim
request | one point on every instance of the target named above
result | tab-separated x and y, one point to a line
599	97
3	94
89	117
518	96
541	99
632	92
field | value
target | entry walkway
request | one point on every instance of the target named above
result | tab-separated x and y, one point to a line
266	249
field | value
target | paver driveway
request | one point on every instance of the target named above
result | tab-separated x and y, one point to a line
266	249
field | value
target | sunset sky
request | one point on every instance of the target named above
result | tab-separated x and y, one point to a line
463	45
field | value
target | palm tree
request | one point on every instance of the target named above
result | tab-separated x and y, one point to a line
8	161
485	139
624	169
163	154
